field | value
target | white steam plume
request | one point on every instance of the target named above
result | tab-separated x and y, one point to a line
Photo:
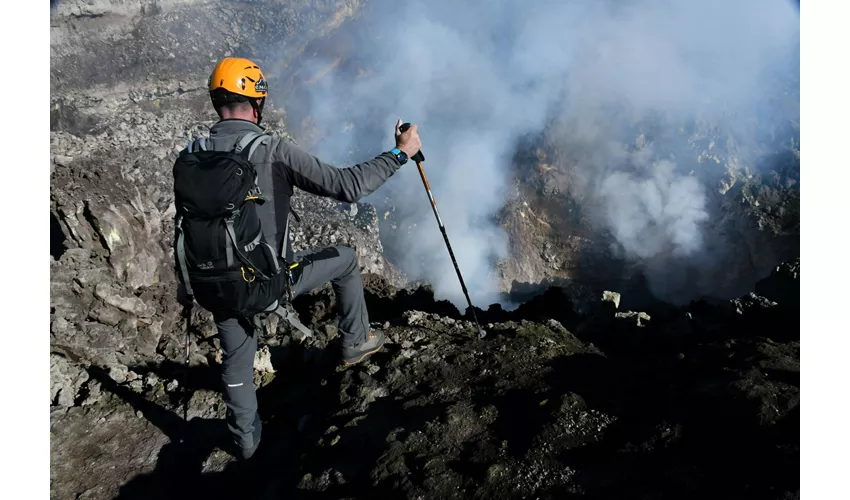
477	75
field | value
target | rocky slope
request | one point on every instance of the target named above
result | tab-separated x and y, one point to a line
694	402
113	141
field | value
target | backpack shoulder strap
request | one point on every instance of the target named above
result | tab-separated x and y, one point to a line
250	140
180	245
196	145
243	141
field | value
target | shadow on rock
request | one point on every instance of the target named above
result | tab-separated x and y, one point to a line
384	302
693	425
202	464
349	456
179	465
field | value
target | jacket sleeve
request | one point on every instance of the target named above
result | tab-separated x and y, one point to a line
344	184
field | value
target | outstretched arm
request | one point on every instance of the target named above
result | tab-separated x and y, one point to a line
344	184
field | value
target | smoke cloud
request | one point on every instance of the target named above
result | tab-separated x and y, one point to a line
590	75
648	213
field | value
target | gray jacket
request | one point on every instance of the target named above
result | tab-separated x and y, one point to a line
281	165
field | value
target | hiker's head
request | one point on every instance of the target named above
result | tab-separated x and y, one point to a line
238	89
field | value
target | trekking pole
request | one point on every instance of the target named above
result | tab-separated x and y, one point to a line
419	158
187	311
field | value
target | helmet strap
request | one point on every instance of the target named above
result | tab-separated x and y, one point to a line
258	104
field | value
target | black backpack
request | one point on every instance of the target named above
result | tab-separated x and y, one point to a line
225	261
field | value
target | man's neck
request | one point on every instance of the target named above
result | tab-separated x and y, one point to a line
238	119
247	118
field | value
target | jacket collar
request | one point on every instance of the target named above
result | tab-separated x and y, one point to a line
234	126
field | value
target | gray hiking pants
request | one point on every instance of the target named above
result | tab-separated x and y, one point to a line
239	342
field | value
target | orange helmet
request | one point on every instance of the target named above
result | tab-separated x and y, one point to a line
239	76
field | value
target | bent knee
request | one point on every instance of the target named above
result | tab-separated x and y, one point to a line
347	254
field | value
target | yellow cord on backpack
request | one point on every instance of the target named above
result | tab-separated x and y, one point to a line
253	277
252	198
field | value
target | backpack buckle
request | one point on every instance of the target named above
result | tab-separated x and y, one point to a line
290	279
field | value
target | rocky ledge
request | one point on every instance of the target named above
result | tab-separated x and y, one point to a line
700	401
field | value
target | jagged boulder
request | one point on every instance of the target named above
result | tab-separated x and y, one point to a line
783	284
66	380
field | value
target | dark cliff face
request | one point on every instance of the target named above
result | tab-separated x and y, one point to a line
559	226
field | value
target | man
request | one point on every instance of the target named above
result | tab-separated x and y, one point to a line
238	92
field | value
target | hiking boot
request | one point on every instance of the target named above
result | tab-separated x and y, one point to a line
373	344
247	453
257	436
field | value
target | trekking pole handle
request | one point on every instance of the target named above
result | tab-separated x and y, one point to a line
418	156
